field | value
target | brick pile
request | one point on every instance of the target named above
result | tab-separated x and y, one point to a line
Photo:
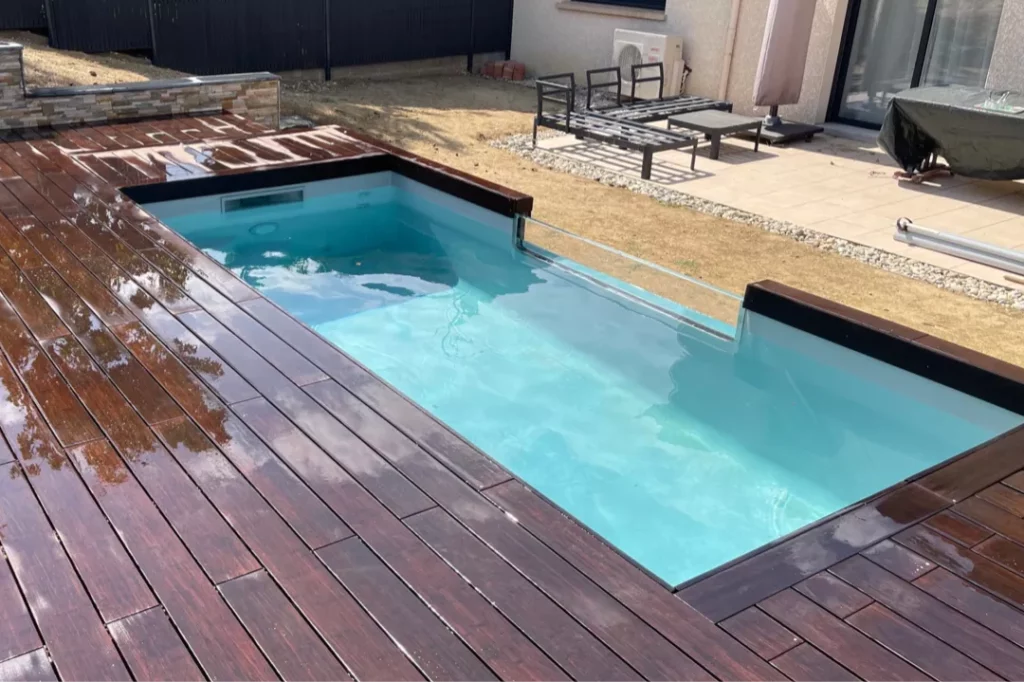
508	70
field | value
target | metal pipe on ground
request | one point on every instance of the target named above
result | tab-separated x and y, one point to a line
1008	260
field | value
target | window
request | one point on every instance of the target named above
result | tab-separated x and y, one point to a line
658	5
900	44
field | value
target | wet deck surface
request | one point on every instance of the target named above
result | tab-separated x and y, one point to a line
193	485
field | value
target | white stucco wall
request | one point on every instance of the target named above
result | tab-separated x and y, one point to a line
549	39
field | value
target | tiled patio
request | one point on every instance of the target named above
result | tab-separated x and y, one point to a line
834	185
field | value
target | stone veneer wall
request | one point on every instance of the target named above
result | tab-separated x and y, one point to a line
253	95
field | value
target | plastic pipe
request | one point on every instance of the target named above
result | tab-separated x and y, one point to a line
961	247
730	47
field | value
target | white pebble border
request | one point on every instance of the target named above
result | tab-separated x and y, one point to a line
522	146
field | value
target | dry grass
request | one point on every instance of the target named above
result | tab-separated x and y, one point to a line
452	118
46	67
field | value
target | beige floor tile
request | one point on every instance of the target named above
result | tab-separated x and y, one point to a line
852	225
808	214
1008	234
981	191
966	219
918	208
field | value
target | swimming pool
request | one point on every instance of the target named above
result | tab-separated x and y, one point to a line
684	445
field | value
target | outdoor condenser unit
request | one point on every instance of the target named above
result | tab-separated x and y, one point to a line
636	47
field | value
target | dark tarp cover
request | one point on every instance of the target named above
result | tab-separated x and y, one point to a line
980	133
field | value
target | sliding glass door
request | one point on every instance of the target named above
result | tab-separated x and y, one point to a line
892	45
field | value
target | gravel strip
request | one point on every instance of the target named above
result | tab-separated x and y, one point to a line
521	145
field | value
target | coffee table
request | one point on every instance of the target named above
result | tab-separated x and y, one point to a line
714	124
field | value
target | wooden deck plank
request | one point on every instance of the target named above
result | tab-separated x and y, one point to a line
17	630
570	645
833	594
974	603
934	617
286	360
1005	552
18	290
202	529
996	518
898	559
289	642
17	247
436	650
959	528
353	636
471	464
138	386
71	627
501	646
671	617
314	522
765	636
31	667
109	575
58	405
219	642
297	504
196	275
839	641
927	653
152	648
10	206
985	465
1004	496
807	664
964	562
372	471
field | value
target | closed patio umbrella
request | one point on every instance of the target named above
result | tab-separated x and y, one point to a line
780	72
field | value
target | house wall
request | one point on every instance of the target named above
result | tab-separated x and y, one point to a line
254	95
1006	71
552	36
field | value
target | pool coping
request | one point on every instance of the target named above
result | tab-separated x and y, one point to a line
382	157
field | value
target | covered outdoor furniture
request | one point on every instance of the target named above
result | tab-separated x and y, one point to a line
598	126
980	133
715	124
644	111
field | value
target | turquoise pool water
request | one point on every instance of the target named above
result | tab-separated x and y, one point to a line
682	448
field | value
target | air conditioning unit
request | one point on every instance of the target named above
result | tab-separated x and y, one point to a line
635	47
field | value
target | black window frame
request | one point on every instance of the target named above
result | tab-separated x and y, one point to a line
654	5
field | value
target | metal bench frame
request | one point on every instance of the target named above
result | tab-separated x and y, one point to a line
602	128
646	111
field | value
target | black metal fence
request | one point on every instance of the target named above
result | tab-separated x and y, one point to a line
226	36
99	25
22	14
223	36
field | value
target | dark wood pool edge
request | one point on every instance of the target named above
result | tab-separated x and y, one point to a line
747	580
491	196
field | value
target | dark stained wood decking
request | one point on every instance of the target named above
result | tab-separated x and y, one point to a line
193	484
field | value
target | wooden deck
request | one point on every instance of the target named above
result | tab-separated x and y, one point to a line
194	485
